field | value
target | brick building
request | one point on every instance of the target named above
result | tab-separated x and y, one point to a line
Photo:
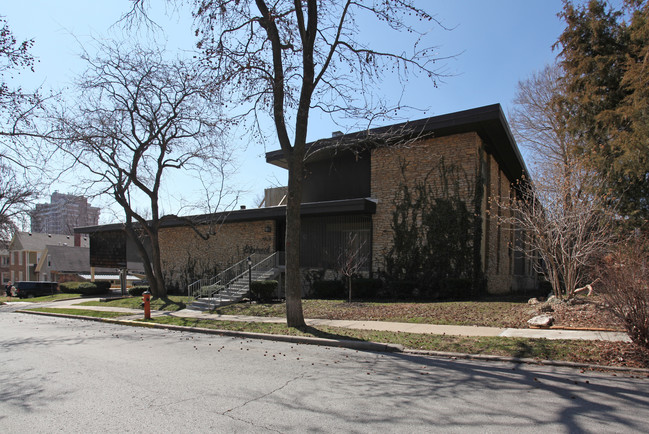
351	187
5	260
64	213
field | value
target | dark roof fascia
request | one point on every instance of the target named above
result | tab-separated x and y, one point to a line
488	121
338	207
334	207
501	143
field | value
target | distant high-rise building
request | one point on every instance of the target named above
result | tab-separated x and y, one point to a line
64	213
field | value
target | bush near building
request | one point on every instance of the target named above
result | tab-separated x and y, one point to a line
263	290
624	277
85	288
137	291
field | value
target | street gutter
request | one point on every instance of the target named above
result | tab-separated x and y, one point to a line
350	344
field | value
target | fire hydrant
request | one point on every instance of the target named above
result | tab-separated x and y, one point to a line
146	298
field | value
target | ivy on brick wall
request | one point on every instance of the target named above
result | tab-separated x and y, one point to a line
179	274
437	229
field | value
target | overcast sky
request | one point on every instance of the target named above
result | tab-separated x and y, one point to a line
496	43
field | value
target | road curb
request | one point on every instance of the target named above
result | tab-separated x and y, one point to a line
342	343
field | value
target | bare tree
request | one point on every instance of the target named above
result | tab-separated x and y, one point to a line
16	124
539	120
568	229
14	57
352	259
565	220
624	278
284	58
15	199
136	118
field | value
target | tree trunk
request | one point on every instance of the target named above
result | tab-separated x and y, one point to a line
133	235
349	287
152	264
160	287
294	315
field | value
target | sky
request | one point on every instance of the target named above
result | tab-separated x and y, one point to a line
491	45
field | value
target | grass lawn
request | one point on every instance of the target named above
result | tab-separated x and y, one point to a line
480	313
596	352
83	312
171	303
45	298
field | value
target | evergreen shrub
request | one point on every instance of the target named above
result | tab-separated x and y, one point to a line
138	290
263	290
329	289
85	288
366	288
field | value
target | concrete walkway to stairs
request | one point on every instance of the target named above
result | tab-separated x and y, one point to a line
362	325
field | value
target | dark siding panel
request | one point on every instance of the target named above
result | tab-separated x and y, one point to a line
108	249
344	177
325	238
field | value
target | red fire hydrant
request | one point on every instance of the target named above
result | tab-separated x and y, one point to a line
146	298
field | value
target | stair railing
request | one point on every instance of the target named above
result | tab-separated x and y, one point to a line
257	269
209	287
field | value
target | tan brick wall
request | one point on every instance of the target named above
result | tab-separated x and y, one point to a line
181	248
499	238
465	151
461	150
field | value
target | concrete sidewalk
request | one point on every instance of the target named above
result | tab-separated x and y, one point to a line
453	330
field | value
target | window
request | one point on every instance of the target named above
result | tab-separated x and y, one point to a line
324	239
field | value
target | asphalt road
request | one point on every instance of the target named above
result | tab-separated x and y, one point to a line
61	375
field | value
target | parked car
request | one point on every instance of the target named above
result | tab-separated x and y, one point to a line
35	289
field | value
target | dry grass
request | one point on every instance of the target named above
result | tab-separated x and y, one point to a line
494	312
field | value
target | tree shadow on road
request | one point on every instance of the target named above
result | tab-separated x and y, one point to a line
328	335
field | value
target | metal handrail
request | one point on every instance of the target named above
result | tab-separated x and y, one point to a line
230	275
259	266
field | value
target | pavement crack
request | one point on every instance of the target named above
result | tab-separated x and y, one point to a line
228	413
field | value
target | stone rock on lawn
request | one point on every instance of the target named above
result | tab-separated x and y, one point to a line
541	321
533	301
546	308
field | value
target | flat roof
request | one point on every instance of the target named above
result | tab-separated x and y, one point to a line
129	277
488	121
333	207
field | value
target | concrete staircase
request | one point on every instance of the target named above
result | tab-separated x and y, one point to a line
232	286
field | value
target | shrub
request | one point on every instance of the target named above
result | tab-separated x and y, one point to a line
366	288
624	276
263	290
402	288
545	288
85	288
138	290
329	289
103	286
458	288
69	287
